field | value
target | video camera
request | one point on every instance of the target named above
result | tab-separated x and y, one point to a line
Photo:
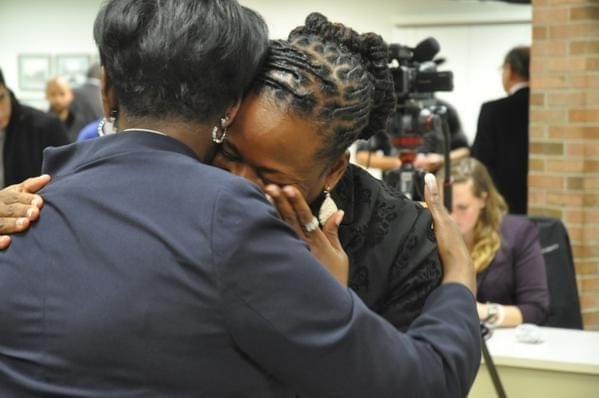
419	118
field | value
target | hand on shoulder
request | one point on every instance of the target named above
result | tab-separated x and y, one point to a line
19	207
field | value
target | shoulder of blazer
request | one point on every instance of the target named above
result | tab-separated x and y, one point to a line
508	103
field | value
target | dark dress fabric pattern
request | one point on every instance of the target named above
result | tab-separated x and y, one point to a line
517	276
394	262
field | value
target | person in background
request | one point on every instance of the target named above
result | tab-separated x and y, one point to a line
162	303
24	133
87	101
505	249
379	153
89	131
430	156
60	97
501	141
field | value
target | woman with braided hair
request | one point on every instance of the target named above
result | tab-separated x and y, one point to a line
319	92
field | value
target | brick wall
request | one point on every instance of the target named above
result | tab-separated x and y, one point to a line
564	132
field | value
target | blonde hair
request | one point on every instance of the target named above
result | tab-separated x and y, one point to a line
487	238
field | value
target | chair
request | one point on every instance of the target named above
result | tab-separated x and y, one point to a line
564	306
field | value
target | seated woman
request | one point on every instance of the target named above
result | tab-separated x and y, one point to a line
505	249
319	92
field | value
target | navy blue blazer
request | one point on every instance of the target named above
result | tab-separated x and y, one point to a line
152	275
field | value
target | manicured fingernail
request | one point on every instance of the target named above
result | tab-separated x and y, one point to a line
289	191
272	190
339	218
431	182
4	239
30	212
269	198
37	201
21	222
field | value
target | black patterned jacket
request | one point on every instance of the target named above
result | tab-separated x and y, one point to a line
394	261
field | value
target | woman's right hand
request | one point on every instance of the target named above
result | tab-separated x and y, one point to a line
457	263
19	206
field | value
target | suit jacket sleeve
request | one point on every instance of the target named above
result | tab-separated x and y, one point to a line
292	319
532	294
484	146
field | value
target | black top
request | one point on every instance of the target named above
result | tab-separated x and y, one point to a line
29	131
114	294
394	262
501	144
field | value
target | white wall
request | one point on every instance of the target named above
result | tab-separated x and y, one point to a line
379	16
65	26
43	27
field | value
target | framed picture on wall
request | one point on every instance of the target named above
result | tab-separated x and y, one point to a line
34	71
73	67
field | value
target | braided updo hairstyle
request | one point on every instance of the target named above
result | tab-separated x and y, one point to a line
337	78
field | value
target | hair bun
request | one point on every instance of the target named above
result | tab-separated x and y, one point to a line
318	25
374	54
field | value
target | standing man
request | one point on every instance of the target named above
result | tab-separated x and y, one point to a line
24	133
501	141
87	101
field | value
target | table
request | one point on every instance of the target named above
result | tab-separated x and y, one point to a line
565	364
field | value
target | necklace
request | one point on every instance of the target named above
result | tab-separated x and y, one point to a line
146	130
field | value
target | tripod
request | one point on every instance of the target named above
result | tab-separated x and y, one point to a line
485	333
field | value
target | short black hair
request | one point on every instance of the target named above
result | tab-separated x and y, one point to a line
334	76
187	59
2	82
518	58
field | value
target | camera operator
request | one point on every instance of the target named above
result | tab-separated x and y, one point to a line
425	132
430	155
379	153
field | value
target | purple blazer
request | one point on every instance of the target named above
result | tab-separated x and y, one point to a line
517	275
